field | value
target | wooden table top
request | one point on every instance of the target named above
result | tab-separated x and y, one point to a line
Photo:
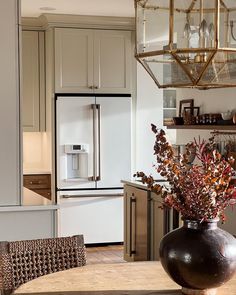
135	278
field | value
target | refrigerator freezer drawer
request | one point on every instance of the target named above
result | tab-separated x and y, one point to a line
98	218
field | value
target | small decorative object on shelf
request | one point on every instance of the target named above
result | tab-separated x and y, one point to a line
168	121
227	115
169	106
190	114
178	120
198	256
234	118
208	119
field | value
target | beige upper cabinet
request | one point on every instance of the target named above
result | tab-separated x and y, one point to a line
92	61
33	91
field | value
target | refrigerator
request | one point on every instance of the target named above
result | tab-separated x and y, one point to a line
93	155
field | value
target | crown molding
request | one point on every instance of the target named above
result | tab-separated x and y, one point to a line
48	20
32	23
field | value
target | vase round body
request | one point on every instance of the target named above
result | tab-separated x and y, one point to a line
199	256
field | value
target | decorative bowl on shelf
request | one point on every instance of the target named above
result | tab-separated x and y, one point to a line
234	118
227	115
178	120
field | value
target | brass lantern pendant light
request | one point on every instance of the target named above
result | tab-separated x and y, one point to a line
187	43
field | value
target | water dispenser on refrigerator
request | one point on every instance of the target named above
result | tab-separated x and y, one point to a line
76	161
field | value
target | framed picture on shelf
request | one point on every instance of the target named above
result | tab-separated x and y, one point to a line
185	103
194	111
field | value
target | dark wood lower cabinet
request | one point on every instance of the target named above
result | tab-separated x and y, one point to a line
136	224
145	223
39	183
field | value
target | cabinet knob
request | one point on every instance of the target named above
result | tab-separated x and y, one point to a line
96	87
90	87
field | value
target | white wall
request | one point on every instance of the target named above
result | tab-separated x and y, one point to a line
149	109
9	110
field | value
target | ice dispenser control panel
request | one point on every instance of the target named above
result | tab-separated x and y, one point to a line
76	161
76	148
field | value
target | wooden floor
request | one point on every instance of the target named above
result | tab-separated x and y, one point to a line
105	254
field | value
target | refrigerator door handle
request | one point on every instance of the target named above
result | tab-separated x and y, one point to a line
98	164
93	177
93	196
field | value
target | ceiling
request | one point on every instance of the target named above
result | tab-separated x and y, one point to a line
31	8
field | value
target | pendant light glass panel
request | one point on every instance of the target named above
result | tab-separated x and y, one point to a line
194	23
183	30
227	15
224	36
152	25
222	69
167	69
195	62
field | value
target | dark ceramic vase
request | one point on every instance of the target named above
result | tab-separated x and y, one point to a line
199	256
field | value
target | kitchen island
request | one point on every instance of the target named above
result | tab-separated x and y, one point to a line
145	222
34	219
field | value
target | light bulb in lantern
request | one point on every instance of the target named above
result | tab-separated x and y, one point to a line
203	29
211	31
187	31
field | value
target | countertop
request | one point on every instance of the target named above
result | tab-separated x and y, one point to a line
139	184
30	198
36	171
31	202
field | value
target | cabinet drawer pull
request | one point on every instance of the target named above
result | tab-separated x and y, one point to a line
132	216
35	182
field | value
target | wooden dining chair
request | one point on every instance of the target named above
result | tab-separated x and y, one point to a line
22	261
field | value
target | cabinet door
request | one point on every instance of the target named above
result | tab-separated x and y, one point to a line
157	225
10	170
30	80
73	60
112	61
27	225
136	234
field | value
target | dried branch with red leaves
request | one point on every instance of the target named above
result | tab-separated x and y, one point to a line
199	191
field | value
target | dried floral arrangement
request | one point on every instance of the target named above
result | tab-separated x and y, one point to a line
199	191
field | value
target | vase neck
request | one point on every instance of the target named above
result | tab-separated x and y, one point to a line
196	224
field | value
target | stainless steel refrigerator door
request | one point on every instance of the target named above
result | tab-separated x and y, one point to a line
75	125
113	141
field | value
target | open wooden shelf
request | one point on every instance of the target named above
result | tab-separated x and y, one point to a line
203	127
